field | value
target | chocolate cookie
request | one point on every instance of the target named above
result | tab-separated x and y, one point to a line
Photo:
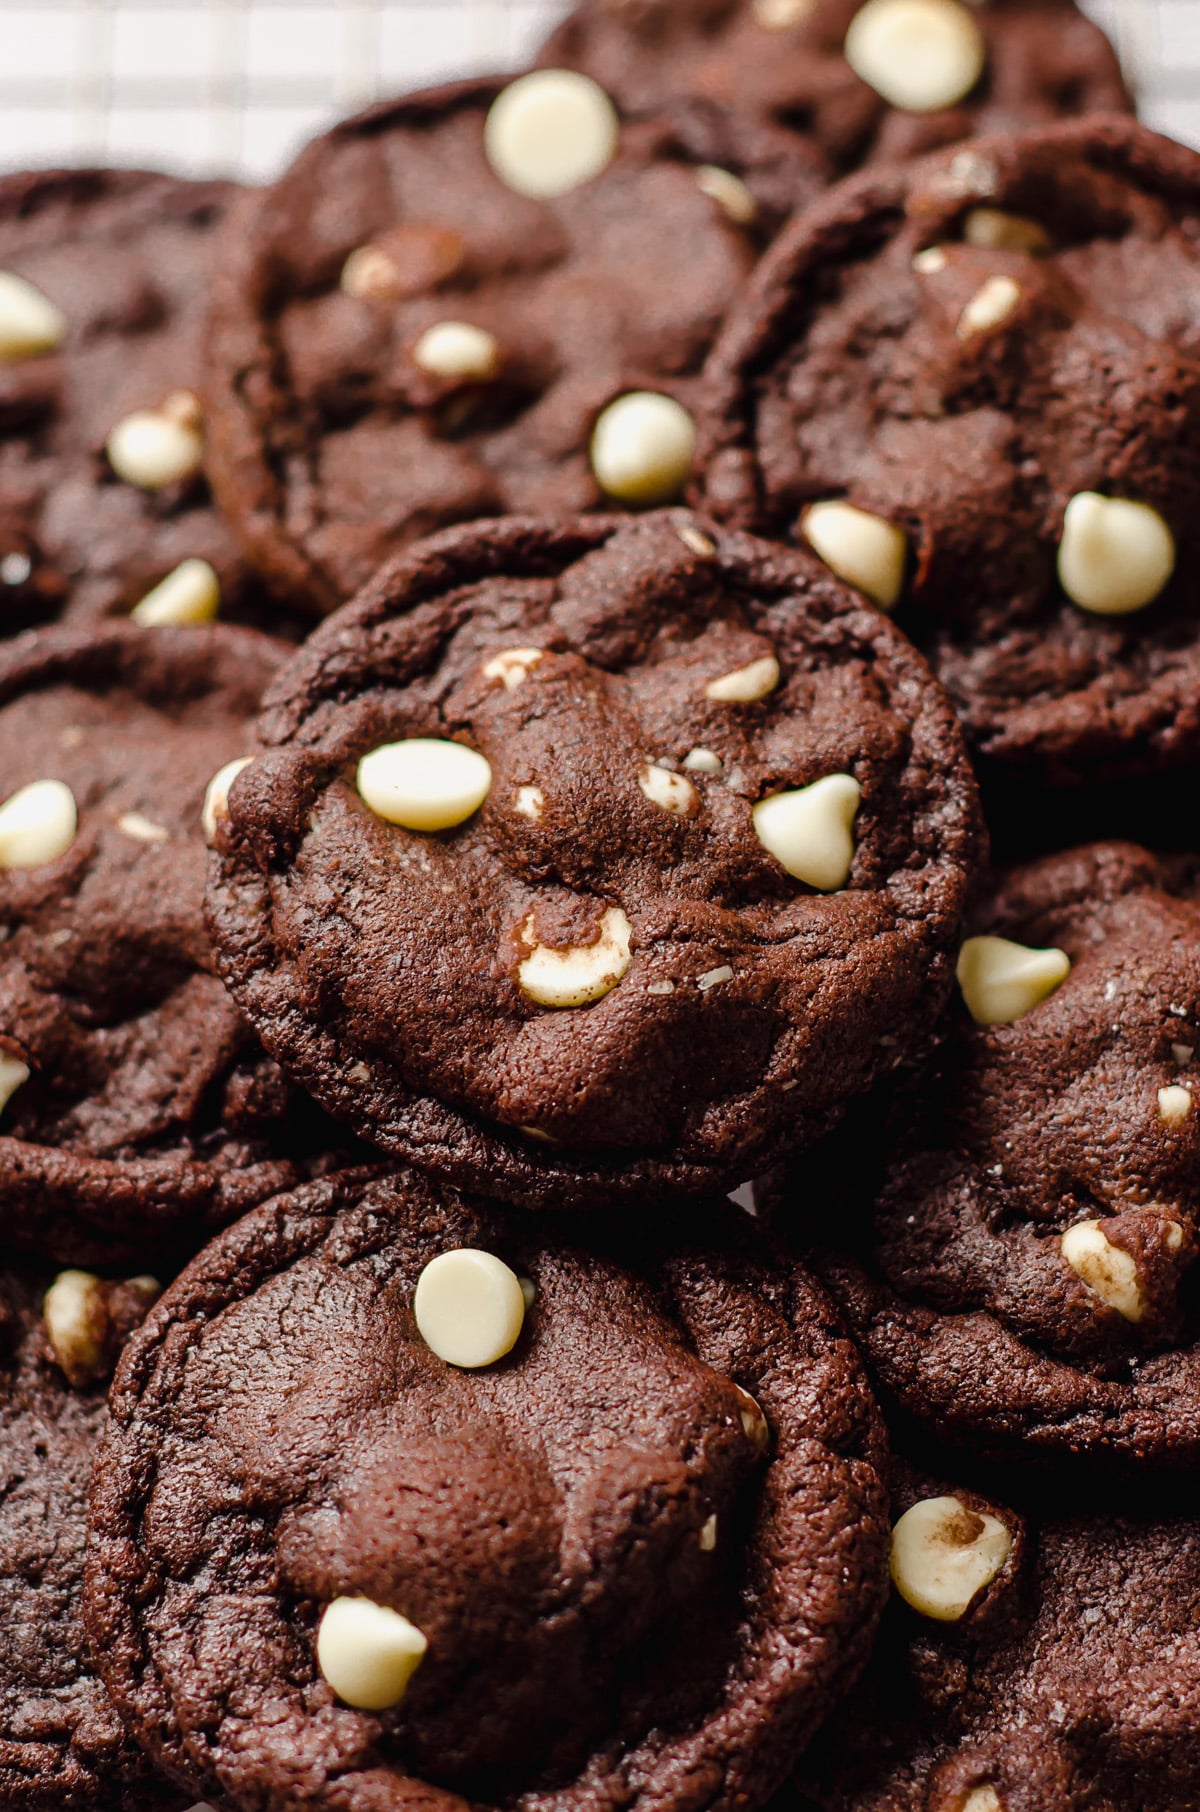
136	1102
594	858
1033	1659
851	83
401	1504
62	1742
973	386
444	340
104	279
1026	1281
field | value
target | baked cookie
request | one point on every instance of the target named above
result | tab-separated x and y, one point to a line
973	386
593	858
505	309
851	83
486	1520
136	1102
104	279
1025	1285
1029	1660
62	1742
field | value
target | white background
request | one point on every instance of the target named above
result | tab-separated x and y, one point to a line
236	85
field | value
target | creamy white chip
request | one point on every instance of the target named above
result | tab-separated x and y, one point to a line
643	446
867	551
512	666
37	824
469	1308
1002	981
189	595
424	783
216	797
141	829
152	449
810	832
368	1653
529	802
549	132
746	685
669	790
702	761
755	1426
457	350
1109	1271
944	1554
29	322
993	303
13	1075
729	192
992	230
1174	1104
921	55
581	973
1115	556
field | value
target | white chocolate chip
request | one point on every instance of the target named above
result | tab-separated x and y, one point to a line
29	322
1174	1104
529	802
190	594
643	446
867	551
982	1799
993	303
1002	981
671	791
944	1554
539	1133
747	684
580	974
1107	1270
37	824
921	55
513	666
708	1535
140	829
469	1308
729	192
152	450
702	761
368	1653
781	15
15	569
1172	1236
755	1426
661	987
992	230
549	132
368	272
701	545
712	978
216	798
456	350
74	1318
1183	1054
931	262
424	784
810	832
13	1075
1115	556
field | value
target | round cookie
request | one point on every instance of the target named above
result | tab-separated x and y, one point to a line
707	830
1071	1679
104	279
993	358
997	67
440	345
1025	1285
631	1562
62	1742
136	1102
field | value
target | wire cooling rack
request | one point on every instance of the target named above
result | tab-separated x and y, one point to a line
235	85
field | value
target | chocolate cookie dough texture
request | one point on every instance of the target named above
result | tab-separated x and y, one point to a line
104	510
62	1742
1065	1673
972	386
1025	1285
135	1104
849	82
590	860
507	311
385	1564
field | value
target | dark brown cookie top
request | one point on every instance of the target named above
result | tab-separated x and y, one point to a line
1071	1680
108	338
62	1742
1026	1281
603	977
947	74
994	354
625	1581
136	1101
437	345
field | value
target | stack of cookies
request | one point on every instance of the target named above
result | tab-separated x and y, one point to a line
572	1241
